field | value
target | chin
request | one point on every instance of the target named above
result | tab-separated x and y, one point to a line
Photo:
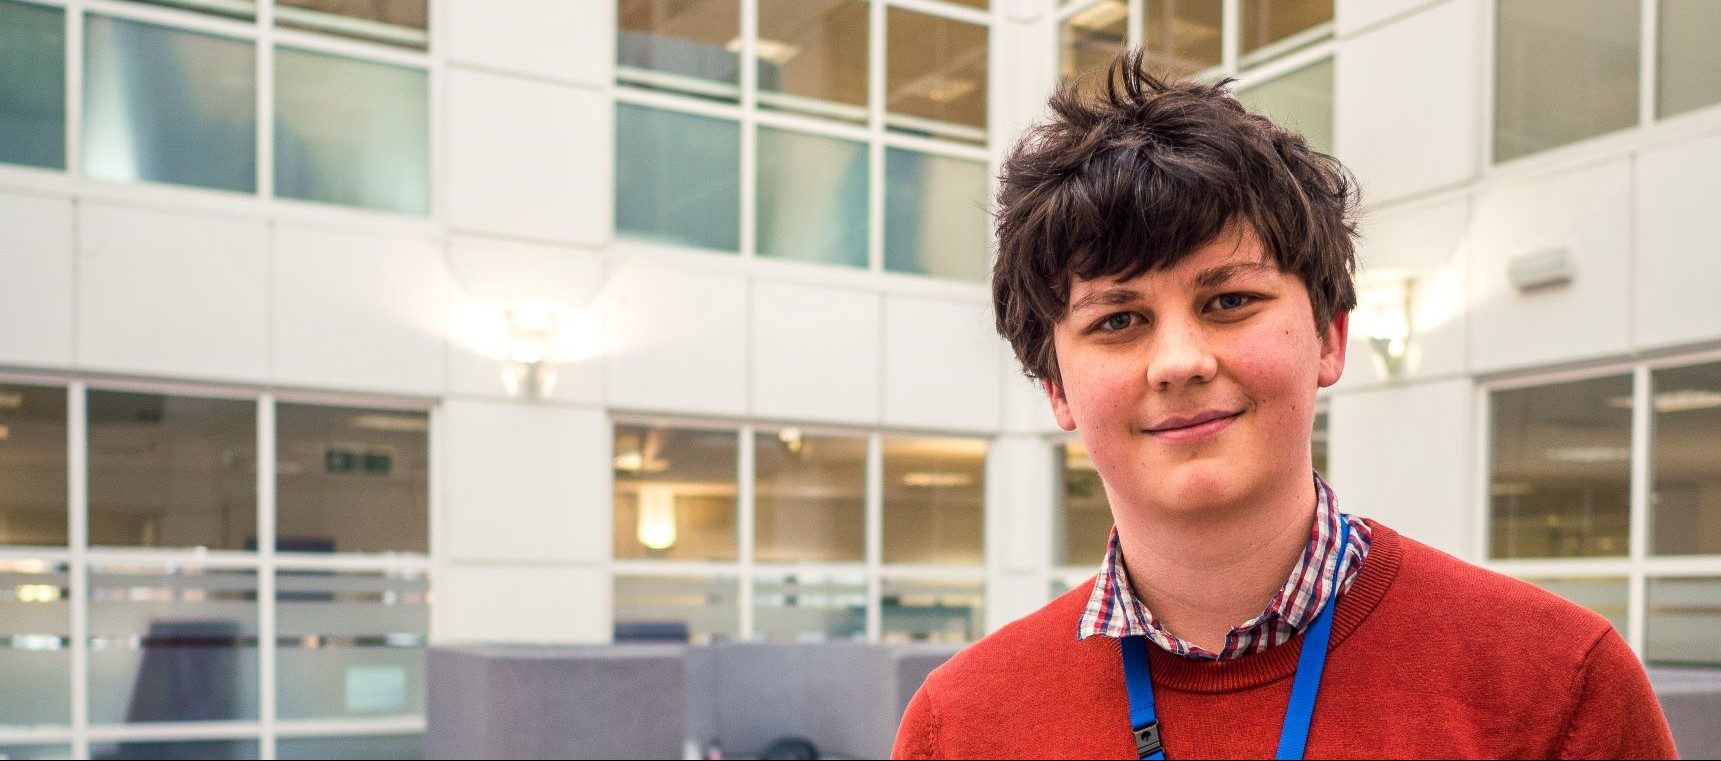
1200	487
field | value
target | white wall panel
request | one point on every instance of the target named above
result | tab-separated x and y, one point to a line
1676	278
1586	212
523	604
815	353
942	366
1407	101
169	293
35	280
554	39
1351	15
1425	242
529	158
1403	456
1026	409
676	340
527	482
359	310
1019	484
490	276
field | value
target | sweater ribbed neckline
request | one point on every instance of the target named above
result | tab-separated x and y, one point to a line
1386	552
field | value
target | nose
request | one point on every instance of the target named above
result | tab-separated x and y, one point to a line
1180	356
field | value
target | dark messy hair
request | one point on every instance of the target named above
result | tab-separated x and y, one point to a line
1139	175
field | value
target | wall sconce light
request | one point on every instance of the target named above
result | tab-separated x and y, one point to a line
656	529
1386	312
532	337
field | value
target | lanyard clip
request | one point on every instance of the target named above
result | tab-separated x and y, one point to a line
1147	741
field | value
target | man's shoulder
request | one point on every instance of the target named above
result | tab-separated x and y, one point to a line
1042	643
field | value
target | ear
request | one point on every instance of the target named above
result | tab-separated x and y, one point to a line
1333	346
1060	404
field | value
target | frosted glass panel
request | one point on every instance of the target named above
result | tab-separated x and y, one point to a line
172	643
1689	64
167	105
1301	101
350	644
934	500
405	23
32	752
1685	458
935	76
935	220
692	609
1084	515
675	492
1560	476
352	479
32	85
683	45
810	497
1683	622
812	198
1089	40
678	178
791	608
350	132
333	748
35	643
1183	37
181	749
1606	596
1564	70
32	465
940	611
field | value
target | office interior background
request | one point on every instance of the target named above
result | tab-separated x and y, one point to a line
333	330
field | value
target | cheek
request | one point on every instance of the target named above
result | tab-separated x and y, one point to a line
1106	392
1279	369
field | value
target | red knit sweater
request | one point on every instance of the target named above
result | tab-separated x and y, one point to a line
1431	658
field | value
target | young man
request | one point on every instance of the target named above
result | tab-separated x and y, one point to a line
1177	272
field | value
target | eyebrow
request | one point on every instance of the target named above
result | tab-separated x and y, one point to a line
1110	297
1215	277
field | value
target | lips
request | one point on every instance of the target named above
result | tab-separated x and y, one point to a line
1175	423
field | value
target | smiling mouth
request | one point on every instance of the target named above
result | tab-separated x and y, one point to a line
1196	429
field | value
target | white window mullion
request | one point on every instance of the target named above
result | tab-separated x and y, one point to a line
266	623
1484	496
1648	50
1231	34
744	526
1642	417
265	110
1136	34
874	536
78	534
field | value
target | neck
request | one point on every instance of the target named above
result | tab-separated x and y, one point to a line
1202	574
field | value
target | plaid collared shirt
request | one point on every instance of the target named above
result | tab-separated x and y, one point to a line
1114	611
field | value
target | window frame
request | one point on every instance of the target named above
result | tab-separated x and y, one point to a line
80	558
745	571
1639	566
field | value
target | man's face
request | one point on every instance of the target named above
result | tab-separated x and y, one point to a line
1194	387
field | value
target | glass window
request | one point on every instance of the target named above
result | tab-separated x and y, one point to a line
812	198
1564	70
934	494
182	749
352	479
1185	37
1084	516
1318	445
395	22
690	46
813	56
1301	101
678	178
1560	476
37	752
675	493
693	609
32	465
791	608
810	497
32	85
172	471
1685	456
351	644
340	748
1089	40
935	76
1272	27
935	220
35	643
351	132
245	10
169	105
939	611
1606	596
1688	62
1684	615
172	643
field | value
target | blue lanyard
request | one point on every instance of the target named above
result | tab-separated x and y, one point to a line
1294	737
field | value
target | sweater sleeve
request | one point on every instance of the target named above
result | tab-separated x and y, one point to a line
917	735
1617	714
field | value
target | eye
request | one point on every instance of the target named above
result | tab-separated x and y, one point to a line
1117	322
1230	301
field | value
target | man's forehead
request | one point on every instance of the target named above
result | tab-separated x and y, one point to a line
1204	268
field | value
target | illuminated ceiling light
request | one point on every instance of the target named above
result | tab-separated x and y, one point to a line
393	423
1682	400
38	593
775	51
1588	455
656	529
11	401
937	480
5	432
792	440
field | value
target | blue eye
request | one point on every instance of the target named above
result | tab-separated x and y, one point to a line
1119	321
1232	300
